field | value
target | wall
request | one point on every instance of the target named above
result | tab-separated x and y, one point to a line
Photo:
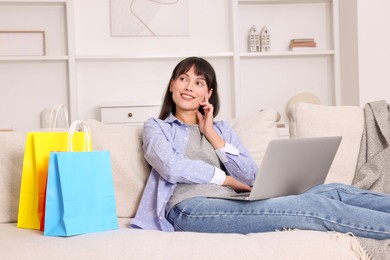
27	88
259	83
144	79
31	86
365	52
374	50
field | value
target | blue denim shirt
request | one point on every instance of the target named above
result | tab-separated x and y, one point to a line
164	145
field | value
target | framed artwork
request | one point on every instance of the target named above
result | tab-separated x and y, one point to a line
149	17
22	43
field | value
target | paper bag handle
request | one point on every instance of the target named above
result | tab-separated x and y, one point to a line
81	126
54	115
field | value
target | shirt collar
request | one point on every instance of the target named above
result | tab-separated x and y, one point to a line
171	118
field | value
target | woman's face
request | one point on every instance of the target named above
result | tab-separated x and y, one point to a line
188	91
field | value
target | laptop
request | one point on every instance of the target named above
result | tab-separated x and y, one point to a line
291	167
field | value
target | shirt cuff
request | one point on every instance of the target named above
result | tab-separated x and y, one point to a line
219	177
228	148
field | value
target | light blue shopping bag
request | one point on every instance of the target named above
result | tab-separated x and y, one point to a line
80	195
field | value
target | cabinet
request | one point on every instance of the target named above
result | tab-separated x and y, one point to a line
86	67
128	112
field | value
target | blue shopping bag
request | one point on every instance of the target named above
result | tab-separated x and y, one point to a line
80	195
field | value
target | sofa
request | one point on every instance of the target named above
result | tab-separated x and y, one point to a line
130	173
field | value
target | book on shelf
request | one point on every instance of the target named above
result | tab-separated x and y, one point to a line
302	40
302	44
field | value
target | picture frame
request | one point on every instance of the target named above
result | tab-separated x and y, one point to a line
149	18
22	43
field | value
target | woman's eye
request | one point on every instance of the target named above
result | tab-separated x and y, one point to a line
182	78
200	83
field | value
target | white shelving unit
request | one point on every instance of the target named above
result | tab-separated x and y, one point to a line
278	67
286	19
34	77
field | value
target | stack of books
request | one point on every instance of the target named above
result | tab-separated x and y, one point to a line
302	44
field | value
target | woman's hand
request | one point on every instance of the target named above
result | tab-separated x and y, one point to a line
235	184
205	121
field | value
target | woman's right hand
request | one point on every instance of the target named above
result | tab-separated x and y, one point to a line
235	184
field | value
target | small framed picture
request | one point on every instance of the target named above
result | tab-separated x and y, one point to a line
22	43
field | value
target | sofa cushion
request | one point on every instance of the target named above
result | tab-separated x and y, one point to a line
130	170
11	163
308	120
256	131
126	243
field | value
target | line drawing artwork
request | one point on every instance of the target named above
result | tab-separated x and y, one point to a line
149	17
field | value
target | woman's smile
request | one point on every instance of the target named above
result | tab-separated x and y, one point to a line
187	97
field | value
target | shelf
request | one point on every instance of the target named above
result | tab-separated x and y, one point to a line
286	54
119	57
251	2
33	58
31	2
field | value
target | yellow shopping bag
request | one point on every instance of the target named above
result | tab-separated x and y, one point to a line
34	174
35	165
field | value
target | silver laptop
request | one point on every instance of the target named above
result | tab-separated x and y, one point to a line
291	167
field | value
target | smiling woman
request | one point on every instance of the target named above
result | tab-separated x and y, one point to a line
195	159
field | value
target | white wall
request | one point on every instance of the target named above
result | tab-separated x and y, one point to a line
365	52
374	50
144	79
27	87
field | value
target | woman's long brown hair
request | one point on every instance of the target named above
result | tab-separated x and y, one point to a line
202	68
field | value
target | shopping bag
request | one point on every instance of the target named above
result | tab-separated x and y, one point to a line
34	173
80	195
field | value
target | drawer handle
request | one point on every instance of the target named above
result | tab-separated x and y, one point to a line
130	114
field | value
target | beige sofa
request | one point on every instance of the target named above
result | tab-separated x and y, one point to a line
130	175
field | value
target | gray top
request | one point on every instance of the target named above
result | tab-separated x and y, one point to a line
198	148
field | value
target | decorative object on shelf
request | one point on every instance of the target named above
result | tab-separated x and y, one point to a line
265	39
149	18
254	39
22	43
302	44
304	97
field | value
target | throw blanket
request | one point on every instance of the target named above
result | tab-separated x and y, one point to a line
373	166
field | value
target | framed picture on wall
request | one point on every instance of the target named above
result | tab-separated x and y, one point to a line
149	18
22	43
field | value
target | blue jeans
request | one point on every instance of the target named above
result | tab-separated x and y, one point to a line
327	207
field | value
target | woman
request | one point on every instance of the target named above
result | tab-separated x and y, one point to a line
194	157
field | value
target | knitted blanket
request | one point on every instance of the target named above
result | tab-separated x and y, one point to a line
373	166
